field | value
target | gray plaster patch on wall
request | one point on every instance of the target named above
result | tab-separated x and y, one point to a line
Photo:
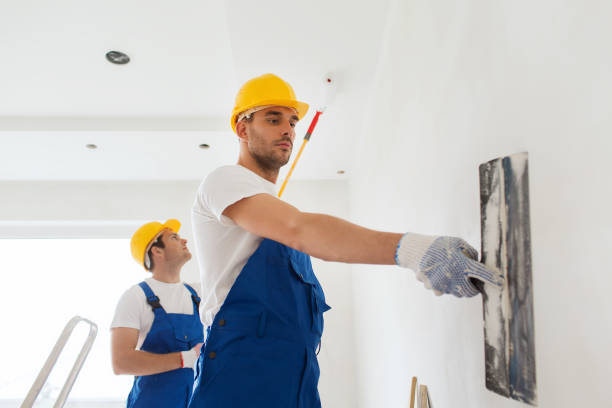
506	246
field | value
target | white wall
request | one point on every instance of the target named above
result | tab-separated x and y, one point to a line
94	209
115	209
459	83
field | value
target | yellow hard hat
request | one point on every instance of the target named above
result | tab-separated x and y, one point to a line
266	90
145	234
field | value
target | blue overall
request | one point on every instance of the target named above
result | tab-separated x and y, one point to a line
262	345
170	332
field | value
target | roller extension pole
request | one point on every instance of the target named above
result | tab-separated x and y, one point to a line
311	128
329	93
506	246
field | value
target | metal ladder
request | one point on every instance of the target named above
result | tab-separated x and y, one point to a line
52	359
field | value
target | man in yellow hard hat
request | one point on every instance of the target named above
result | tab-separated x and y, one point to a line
156	331
263	306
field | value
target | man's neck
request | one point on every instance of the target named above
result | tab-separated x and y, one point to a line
250	163
167	274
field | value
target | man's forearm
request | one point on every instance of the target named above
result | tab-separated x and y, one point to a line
334	239
136	362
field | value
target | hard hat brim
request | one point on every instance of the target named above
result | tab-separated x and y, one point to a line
300	107
174	225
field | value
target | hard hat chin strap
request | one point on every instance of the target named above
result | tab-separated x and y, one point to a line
147	261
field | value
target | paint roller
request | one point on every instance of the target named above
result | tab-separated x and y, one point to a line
506	246
329	92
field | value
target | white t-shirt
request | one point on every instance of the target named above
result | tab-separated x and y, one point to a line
134	312
222	247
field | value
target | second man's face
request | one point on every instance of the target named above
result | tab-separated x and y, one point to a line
175	247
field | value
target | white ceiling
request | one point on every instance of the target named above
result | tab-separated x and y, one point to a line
58	92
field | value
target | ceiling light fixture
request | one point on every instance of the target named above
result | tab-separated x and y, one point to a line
91	146
117	57
204	146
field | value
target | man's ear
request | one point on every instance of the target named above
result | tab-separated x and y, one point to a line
241	130
157	251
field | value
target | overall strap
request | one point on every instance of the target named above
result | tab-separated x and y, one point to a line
195	298
151	298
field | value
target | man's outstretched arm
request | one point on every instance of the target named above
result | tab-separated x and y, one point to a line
444	264
319	235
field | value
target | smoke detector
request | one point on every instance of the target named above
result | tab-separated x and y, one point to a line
117	57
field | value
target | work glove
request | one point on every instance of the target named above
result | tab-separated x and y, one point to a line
189	357
445	264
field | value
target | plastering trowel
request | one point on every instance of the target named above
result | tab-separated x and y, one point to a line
506	246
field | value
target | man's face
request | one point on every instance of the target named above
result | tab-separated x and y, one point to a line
175	250
270	136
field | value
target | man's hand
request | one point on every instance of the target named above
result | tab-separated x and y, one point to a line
189	357
445	264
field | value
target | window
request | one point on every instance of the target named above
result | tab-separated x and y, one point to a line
45	282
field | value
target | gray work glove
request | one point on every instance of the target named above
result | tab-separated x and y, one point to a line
445	264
